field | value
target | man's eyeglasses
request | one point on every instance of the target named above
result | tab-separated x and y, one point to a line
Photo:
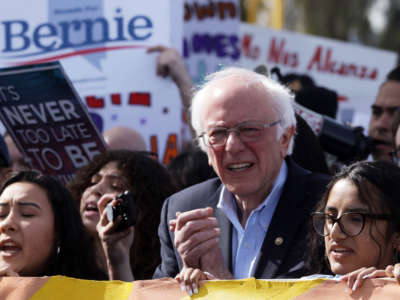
351	223
247	132
394	155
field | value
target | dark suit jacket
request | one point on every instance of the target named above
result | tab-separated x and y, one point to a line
284	245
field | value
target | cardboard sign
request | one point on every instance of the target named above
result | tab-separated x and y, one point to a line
211	36
102	47
355	72
47	120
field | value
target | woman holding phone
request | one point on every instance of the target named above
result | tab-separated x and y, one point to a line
134	252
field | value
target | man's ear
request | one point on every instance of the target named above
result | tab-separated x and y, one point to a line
285	139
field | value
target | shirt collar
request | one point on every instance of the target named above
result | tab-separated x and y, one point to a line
228	205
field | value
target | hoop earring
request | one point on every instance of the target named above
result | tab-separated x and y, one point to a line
58	250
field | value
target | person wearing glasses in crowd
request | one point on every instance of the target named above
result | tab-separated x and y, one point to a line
387	102
251	220
358	221
356	227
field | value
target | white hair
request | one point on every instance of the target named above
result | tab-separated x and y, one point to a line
280	96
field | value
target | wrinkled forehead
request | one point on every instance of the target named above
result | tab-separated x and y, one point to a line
389	94
238	94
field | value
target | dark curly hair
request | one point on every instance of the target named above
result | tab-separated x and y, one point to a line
378	187
190	167
151	184
75	257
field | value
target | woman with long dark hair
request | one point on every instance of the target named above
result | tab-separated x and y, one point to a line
357	222
41	233
132	253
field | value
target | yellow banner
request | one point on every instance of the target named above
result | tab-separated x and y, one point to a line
64	288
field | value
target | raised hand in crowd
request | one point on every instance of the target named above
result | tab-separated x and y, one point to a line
213	263
170	64
6	270
116	244
356	278
190	279
197	241
196	233
393	271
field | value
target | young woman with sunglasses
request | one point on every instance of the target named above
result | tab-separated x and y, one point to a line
356	226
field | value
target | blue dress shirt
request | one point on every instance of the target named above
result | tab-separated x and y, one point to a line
247	242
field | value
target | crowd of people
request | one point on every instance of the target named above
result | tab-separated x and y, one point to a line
252	196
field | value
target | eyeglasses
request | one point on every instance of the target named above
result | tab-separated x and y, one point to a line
394	155
247	131
351	223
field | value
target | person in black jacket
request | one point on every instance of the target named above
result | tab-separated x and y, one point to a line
251	221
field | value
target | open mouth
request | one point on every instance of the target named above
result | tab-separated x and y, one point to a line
91	207
240	167
91	211
341	251
9	248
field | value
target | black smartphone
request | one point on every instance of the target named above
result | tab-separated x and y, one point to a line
125	207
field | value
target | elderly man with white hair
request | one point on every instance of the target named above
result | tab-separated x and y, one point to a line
252	220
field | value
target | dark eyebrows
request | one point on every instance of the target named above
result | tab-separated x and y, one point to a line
22	204
110	176
29	204
358	210
115	177
391	109
355	210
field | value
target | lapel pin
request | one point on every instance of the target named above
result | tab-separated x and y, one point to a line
279	241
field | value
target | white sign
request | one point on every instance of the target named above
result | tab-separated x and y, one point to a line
102	46
355	72
211	36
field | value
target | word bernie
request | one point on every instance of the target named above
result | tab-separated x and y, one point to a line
19	35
